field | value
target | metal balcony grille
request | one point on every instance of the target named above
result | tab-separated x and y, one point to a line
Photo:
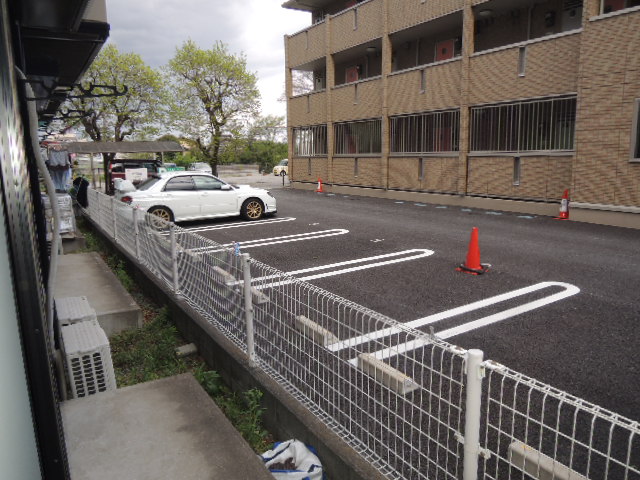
525	126
310	141
429	132
362	137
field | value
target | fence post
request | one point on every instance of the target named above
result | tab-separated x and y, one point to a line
248	306
475	374
115	222
136	231
174	258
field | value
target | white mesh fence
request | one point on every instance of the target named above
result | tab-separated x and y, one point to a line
403	399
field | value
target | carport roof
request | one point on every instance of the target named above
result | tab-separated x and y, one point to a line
122	147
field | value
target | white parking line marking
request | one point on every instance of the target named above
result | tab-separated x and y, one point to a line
261	242
403	256
421	322
238	224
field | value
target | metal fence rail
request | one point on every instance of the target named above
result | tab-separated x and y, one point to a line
415	406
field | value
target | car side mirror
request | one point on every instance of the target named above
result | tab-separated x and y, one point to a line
225	187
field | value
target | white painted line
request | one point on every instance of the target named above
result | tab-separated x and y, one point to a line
421	322
239	224
403	256
261	242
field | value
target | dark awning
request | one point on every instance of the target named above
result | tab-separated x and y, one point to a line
123	147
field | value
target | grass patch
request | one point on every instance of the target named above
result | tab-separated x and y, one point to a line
148	353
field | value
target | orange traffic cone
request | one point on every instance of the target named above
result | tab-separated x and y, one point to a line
472	264
319	189
564	207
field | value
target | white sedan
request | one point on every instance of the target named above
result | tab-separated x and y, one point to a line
180	196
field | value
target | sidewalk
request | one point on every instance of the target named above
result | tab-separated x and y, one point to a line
168	428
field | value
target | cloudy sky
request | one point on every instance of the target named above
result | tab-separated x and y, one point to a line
154	28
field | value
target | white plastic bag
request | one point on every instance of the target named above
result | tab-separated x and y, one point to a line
305	463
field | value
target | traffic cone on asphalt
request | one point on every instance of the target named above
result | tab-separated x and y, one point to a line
564	207
472	265
319	189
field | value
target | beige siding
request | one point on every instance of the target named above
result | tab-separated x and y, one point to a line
440	174
307	45
407	13
442	89
610	84
369	25
308	109
299	169
541	178
370	171
367	104
551	68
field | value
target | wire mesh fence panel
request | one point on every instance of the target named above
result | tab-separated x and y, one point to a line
395	394
400	407
210	279
533	430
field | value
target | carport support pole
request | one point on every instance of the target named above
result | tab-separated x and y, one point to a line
248	307
136	231
475	373
174	258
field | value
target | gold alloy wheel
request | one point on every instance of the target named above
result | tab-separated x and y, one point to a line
163	215
254	209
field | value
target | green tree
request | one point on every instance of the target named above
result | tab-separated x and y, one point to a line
115	118
210	89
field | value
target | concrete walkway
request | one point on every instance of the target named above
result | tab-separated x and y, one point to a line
86	274
166	429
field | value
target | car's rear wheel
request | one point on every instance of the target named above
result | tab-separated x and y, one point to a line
252	209
160	215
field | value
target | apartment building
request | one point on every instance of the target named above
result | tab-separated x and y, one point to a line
502	99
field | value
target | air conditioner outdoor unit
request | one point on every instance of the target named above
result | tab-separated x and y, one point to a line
88	358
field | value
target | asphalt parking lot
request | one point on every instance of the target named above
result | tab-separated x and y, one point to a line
578	332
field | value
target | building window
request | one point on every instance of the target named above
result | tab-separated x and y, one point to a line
525	126
358	137
310	141
609	6
430	132
635	133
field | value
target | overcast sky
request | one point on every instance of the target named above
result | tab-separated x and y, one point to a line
154	28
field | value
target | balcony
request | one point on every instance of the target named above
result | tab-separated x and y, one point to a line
429	42
358	100
530	69
309	109
359	24
425	88
307	45
407	14
501	23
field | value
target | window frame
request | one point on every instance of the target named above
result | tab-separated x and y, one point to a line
427	129
309	137
342	132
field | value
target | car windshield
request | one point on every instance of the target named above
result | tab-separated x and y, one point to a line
148	183
283	163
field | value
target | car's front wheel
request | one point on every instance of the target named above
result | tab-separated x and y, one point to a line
160	215
252	209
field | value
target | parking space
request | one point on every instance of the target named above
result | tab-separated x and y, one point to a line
560	303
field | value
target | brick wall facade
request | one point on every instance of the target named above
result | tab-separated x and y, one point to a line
599	62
